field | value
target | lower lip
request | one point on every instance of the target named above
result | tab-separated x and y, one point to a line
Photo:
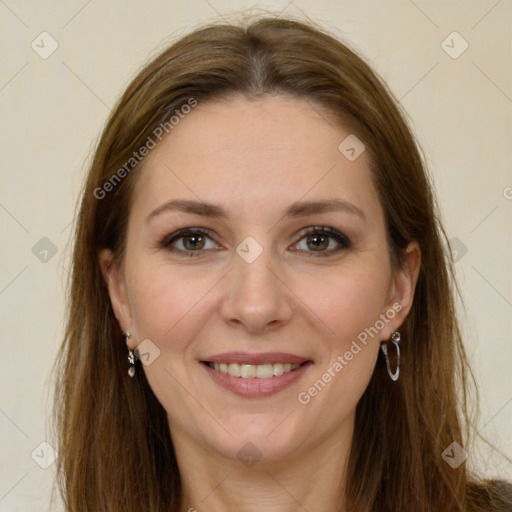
256	388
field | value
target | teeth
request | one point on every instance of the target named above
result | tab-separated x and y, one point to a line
264	371
233	370
251	371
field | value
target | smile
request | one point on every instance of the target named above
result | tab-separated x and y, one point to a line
255	380
251	371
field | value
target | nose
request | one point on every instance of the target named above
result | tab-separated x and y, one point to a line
256	296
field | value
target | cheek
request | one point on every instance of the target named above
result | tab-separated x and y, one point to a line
351	307
349	303
171	303
161	301
169	309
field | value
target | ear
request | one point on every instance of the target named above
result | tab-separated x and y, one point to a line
115	282
403	285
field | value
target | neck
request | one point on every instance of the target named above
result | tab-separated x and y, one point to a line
309	479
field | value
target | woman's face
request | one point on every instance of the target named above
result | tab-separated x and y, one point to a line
256	291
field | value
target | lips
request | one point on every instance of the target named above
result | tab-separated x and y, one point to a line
250	376
256	359
248	371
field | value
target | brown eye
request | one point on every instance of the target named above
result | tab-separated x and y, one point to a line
320	240
191	242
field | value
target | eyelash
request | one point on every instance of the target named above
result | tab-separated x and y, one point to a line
166	242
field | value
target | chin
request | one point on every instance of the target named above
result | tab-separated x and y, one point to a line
260	438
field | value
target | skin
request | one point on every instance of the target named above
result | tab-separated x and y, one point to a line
255	158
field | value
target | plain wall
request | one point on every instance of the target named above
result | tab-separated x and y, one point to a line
53	109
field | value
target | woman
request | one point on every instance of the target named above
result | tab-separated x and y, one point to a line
261	313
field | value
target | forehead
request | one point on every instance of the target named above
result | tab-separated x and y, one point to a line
244	153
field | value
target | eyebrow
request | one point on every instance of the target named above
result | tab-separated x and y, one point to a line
300	208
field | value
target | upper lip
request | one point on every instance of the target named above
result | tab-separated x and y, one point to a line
262	358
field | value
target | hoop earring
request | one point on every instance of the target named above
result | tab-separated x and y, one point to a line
395	339
131	355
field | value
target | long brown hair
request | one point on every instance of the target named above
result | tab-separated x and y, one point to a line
115	451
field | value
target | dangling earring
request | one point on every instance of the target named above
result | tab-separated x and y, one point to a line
395	339
131	355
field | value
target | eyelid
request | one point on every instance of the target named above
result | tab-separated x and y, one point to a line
328	231
180	233
167	241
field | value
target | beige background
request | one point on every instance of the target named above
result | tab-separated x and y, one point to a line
53	109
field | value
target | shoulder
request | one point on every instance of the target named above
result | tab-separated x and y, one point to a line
493	496
501	492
